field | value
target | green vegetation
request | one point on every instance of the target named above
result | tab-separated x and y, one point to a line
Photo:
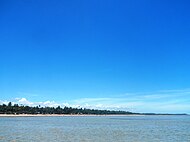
20	109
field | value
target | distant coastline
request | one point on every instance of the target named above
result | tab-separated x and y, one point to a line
28	111
59	115
83	115
38	110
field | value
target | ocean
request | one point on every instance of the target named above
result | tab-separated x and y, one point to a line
95	129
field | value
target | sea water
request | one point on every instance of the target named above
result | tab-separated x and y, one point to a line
95	129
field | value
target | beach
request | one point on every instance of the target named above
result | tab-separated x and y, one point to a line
57	115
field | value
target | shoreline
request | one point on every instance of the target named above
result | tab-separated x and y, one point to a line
79	115
61	115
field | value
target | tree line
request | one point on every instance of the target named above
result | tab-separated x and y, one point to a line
21	109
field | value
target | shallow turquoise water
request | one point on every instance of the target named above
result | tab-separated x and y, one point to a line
95	129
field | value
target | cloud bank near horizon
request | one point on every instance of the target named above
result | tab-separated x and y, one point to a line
165	101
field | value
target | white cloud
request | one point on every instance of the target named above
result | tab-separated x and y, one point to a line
48	103
24	101
168	101
4	102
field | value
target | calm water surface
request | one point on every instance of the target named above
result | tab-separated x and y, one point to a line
95	129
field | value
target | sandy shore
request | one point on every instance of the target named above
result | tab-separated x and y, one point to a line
53	115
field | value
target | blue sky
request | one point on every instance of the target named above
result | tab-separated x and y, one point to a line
126	54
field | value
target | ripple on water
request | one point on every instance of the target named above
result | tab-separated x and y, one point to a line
91	129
